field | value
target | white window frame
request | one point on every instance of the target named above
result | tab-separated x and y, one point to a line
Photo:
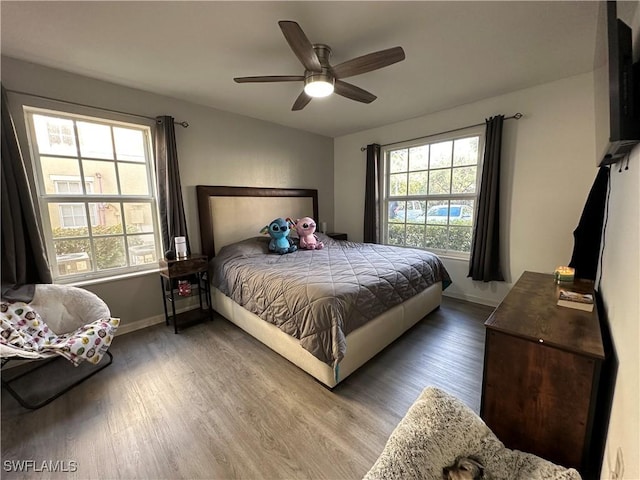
478	131
88	198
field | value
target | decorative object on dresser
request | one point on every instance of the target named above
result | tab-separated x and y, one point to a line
564	274
542	372
177	274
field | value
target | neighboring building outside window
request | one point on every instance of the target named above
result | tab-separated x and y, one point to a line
95	192
430	192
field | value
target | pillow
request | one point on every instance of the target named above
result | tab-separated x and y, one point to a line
246	248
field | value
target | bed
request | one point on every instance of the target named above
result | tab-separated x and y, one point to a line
327	311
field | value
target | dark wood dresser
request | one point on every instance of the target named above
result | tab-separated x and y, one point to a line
542	368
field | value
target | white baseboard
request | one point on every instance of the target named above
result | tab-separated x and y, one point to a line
139	324
149	321
472	298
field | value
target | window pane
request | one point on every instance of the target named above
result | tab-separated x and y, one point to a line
401	212
129	144
95	140
436	237
396	234
72	256
109	252
398	184
102	176
461	212
418	183
415	236
441	154
133	179
54	135
465	151
439	181
394	211
398	161
108	218
142	249
59	171
437	212
419	158
68	220
463	180
415	211
138	217
460	238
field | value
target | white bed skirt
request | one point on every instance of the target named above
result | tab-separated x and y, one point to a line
362	344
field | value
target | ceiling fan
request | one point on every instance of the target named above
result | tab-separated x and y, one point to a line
321	78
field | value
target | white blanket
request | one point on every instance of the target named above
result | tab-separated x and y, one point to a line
22	328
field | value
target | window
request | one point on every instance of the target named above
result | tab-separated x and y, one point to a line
95	191
431	191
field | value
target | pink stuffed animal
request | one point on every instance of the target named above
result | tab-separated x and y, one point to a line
306	228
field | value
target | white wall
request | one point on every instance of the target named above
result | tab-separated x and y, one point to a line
620	287
548	168
218	148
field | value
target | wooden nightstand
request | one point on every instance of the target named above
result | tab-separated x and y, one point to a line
337	235
173	271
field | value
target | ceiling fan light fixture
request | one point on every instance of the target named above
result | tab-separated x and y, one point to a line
318	85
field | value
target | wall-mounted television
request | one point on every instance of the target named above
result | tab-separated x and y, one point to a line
617	88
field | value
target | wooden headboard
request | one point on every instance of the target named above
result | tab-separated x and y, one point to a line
231	214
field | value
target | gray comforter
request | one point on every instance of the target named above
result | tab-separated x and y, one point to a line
319	296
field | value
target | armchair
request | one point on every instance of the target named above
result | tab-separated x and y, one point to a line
77	326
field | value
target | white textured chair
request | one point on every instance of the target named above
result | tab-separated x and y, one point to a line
437	429
64	309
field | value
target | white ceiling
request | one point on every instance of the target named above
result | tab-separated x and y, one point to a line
456	52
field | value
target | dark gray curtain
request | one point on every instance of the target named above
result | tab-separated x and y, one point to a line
372	196
173	222
485	249
24	259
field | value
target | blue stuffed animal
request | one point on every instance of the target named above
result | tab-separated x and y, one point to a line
279	232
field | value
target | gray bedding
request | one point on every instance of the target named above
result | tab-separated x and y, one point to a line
319	296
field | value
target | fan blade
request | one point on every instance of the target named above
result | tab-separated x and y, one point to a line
301	102
300	45
367	63
270	78
354	93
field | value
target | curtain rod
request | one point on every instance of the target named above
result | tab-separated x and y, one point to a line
517	116
183	124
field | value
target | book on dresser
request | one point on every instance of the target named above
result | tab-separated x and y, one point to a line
577	300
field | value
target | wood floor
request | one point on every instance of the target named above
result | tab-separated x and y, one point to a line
212	402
